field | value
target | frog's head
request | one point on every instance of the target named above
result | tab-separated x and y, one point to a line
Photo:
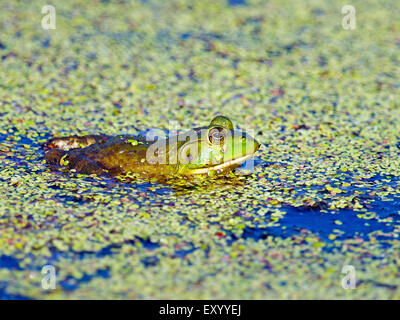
216	148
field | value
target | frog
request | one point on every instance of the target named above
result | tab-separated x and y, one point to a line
215	149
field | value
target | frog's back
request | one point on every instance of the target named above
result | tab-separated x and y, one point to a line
113	154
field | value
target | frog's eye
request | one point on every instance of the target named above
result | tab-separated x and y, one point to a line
217	135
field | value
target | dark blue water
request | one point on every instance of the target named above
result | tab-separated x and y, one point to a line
323	224
234	3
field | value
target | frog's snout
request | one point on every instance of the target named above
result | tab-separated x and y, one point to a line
251	144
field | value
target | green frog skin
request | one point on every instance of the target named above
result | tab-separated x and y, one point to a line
215	149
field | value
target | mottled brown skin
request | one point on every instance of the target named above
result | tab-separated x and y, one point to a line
96	154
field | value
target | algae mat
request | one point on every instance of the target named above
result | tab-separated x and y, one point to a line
324	192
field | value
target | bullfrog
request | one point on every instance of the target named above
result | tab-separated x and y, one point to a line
214	149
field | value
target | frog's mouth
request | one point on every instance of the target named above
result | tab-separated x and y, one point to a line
228	164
